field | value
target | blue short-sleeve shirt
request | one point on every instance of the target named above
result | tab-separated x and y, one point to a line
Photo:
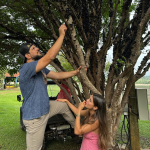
34	91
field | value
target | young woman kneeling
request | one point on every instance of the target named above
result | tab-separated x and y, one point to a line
94	127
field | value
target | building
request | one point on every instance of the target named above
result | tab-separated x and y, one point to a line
10	80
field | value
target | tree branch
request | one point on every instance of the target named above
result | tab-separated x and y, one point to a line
136	47
79	23
72	90
138	76
41	8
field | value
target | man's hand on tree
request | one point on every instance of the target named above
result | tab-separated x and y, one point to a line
78	70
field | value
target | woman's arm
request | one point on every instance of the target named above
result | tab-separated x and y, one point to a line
86	128
78	129
73	108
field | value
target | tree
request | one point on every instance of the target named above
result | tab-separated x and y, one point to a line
2	76
88	23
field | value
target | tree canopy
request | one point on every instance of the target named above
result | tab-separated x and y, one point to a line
94	27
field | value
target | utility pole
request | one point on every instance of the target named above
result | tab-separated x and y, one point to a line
133	119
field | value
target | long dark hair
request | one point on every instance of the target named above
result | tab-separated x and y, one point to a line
100	115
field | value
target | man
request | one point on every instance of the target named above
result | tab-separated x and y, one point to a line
36	107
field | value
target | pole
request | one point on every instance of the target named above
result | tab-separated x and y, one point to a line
133	119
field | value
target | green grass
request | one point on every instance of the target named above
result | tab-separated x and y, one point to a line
144	131
13	138
144	126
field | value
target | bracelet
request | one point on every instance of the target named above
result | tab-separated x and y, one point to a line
77	115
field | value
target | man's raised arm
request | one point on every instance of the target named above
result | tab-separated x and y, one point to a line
53	51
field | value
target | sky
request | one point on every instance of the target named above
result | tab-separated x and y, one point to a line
141	58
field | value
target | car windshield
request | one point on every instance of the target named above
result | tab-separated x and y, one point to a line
52	88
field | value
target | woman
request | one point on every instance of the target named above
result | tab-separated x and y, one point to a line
94	127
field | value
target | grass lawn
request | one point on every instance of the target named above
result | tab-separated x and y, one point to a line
13	138
144	130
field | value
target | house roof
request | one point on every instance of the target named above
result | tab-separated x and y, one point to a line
14	75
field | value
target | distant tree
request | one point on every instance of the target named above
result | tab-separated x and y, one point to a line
89	23
2	76
64	62
144	80
107	66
